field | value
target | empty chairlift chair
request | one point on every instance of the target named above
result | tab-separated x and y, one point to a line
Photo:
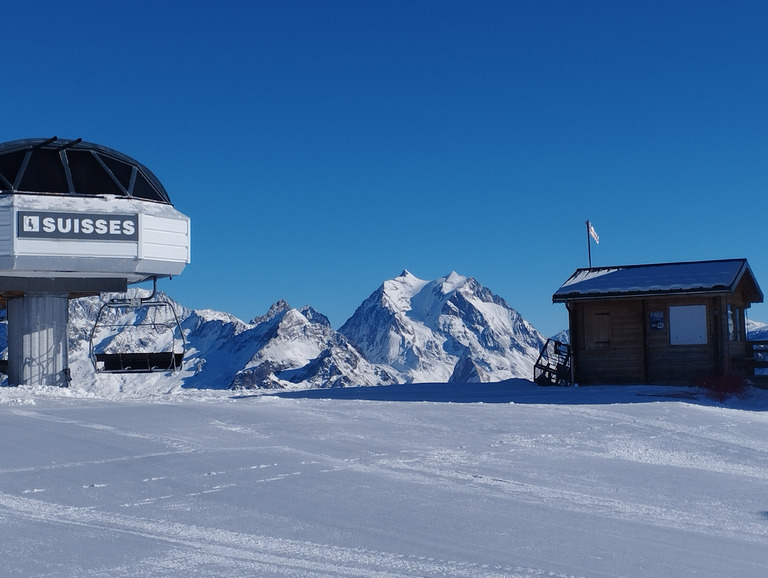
138	335
553	367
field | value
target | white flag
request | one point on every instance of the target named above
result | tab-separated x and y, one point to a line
593	233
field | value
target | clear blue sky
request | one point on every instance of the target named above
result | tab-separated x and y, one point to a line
322	147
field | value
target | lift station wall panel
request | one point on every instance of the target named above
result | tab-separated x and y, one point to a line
6	232
165	239
47	235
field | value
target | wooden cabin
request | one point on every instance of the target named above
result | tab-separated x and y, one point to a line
670	323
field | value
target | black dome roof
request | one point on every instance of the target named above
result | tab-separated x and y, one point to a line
74	167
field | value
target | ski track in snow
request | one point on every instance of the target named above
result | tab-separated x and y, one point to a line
423	470
253	553
242	553
502	458
690	453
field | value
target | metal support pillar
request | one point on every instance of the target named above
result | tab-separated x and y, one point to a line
37	339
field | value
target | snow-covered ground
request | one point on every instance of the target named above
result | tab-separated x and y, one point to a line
503	479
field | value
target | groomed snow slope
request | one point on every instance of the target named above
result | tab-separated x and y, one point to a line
501	479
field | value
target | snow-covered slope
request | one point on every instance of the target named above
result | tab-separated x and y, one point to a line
486	480
449	329
562	336
756	330
300	348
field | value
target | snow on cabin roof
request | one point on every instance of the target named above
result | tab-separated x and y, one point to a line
661	278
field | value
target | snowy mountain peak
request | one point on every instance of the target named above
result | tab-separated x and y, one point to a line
280	307
399	291
276	308
300	348
423	329
315	316
452	282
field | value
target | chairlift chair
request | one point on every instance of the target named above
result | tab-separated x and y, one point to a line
133	347
553	367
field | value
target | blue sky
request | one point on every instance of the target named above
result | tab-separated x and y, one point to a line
322	147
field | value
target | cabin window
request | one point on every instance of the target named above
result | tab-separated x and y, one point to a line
598	330
735	323
688	325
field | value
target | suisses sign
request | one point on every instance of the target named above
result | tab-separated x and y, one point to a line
80	226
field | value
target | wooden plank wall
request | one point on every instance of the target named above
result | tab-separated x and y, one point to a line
620	340
680	363
615	357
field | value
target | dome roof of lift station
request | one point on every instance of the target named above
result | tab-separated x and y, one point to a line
81	217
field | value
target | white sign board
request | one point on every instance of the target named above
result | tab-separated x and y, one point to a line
688	325
77	226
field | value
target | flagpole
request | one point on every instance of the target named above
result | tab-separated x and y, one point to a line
589	245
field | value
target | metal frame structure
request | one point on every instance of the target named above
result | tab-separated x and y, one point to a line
61	166
553	367
128	361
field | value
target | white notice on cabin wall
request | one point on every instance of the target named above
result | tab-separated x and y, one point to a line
688	325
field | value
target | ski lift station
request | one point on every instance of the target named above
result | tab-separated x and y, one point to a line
78	219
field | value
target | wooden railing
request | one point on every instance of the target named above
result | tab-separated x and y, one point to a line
759	353
755	365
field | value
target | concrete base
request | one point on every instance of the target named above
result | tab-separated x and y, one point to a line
37	339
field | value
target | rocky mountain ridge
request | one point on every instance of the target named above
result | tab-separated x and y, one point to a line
408	330
449	329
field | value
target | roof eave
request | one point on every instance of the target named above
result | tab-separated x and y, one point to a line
564	298
758	296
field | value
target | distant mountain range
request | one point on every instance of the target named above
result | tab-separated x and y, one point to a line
407	330
450	329
757	331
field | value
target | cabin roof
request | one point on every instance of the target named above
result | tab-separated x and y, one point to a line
722	276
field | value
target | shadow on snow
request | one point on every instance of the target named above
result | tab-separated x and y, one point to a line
522	391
